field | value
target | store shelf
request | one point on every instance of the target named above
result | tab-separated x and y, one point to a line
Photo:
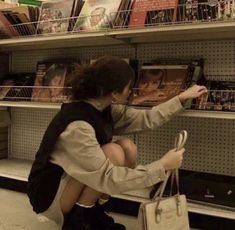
206	209
211	211
208	114
186	113
215	30
15	168
213	41
19	169
58	41
179	32
27	104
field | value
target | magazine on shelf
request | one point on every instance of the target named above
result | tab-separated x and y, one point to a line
226	9
4	5
197	10
159	83
49	82
52	78
97	14
55	16
21	18
123	15
17	86
196	76
77	7
220	96
151	12
6	28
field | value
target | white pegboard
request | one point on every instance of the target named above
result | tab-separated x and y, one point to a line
27	129
210	146
219	56
22	64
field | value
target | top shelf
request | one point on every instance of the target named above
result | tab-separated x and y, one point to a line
164	33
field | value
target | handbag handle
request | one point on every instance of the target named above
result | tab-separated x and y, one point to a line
180	141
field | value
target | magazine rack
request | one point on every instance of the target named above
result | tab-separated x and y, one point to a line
184	14
34	93
214	100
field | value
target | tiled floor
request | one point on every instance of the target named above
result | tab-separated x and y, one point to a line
16	214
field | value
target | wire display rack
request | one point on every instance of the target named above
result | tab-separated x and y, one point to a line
191	12
35	93
214	100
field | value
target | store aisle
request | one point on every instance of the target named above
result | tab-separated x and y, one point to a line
16	214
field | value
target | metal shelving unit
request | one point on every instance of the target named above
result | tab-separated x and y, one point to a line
210	151
25	104
56	106
194	31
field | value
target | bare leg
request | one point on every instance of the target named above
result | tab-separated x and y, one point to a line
78	192
70	195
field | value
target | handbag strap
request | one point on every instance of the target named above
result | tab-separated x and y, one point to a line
180	141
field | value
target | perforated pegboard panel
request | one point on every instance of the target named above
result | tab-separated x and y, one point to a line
210	146
27	129
27	62
219	56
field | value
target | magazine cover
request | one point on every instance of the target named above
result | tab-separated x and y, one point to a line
147	12
49	82
54	16
188	10
226	9
159	83
53	79
122	17
21	87
97	14
220	96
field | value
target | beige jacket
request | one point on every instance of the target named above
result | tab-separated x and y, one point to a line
80	155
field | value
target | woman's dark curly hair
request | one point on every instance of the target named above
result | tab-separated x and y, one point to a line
104	76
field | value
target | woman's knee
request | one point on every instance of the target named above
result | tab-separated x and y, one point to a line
114	153
129	148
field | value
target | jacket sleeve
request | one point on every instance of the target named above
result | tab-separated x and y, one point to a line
128	120
80	155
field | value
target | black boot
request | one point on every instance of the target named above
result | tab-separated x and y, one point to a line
95	218
100	220
76	219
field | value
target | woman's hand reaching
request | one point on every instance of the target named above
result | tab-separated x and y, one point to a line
192	92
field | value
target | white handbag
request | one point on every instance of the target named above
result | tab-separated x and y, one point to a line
170	213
